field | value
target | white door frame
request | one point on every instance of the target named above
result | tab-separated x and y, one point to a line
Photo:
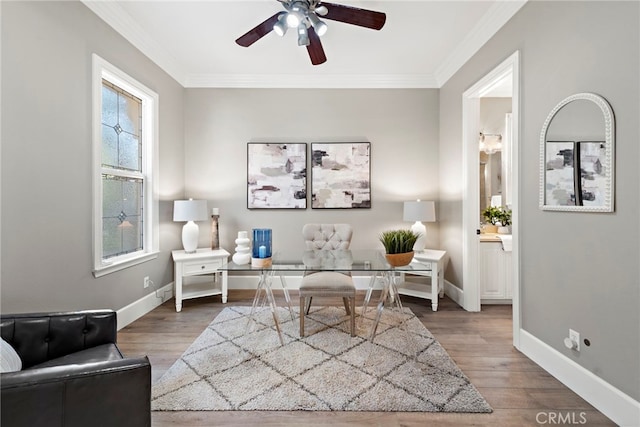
471	197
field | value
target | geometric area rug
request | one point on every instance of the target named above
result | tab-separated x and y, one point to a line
227	369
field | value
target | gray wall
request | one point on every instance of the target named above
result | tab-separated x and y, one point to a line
578	270
47	165
402	126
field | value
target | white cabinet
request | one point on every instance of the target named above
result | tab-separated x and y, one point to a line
495	272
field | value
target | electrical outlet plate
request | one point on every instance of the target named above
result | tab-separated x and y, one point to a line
575	337
146	282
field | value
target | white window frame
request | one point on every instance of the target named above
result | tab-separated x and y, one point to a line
104	70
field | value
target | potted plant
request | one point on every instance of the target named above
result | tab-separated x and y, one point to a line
398	245
505	221
492	215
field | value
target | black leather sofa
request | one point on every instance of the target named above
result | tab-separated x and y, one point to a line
73	373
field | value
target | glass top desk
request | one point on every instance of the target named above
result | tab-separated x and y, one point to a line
370	263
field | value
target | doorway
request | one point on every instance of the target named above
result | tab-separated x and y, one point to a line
507	71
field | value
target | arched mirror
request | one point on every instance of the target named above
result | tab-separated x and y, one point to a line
577	145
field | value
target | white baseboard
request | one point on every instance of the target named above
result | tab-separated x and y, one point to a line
454	292
144	305
618	406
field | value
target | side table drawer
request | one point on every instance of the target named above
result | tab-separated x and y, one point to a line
202	267
427	264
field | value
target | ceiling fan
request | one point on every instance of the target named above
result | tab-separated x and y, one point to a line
304	16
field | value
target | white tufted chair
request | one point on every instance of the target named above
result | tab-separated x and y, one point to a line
326	237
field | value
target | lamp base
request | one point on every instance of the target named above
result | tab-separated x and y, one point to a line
421	229
190	232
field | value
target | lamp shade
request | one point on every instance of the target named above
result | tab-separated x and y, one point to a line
419	211
190	210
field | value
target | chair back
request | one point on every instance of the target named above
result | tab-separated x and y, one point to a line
327	236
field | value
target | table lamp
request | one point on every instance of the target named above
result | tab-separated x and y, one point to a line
419	211
190	211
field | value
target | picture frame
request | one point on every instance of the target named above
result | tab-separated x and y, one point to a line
276	175
341	175
577	146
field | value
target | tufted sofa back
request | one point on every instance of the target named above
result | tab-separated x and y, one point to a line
41	337
327	236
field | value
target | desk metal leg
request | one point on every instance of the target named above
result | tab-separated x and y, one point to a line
274	310
390	293
286	296
367	298
264	285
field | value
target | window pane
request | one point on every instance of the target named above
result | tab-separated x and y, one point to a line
122	230
109	106
111	196
121	133
109	146
132	197
129	149
129	113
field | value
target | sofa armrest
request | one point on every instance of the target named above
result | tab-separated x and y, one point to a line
112	393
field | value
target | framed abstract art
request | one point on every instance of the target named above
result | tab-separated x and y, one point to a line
276	175
341	175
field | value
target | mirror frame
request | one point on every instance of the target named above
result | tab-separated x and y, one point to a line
609	158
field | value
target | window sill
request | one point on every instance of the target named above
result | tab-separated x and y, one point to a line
121	265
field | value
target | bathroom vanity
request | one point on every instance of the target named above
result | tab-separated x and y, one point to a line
495	271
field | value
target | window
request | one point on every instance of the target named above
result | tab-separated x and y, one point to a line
125	147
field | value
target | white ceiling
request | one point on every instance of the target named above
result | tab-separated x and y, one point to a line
422	44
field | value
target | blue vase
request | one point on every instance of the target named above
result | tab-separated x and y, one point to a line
261	243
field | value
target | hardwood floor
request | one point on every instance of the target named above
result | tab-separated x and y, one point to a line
520	392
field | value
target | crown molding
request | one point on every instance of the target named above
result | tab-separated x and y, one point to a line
319	81
115	16
497	15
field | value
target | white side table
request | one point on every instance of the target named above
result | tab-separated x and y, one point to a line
203	261
438	261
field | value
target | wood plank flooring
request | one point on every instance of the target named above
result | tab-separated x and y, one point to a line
520	392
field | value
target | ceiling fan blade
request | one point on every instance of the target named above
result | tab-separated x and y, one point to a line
353	15
259	31
314	48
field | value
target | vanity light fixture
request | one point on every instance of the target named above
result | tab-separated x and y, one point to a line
490	142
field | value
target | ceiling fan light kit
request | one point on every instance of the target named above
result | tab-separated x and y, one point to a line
303	36
303	15
281	27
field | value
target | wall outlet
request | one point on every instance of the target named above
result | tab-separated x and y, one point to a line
146	282
575	338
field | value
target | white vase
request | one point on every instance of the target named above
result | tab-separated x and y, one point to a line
243	250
